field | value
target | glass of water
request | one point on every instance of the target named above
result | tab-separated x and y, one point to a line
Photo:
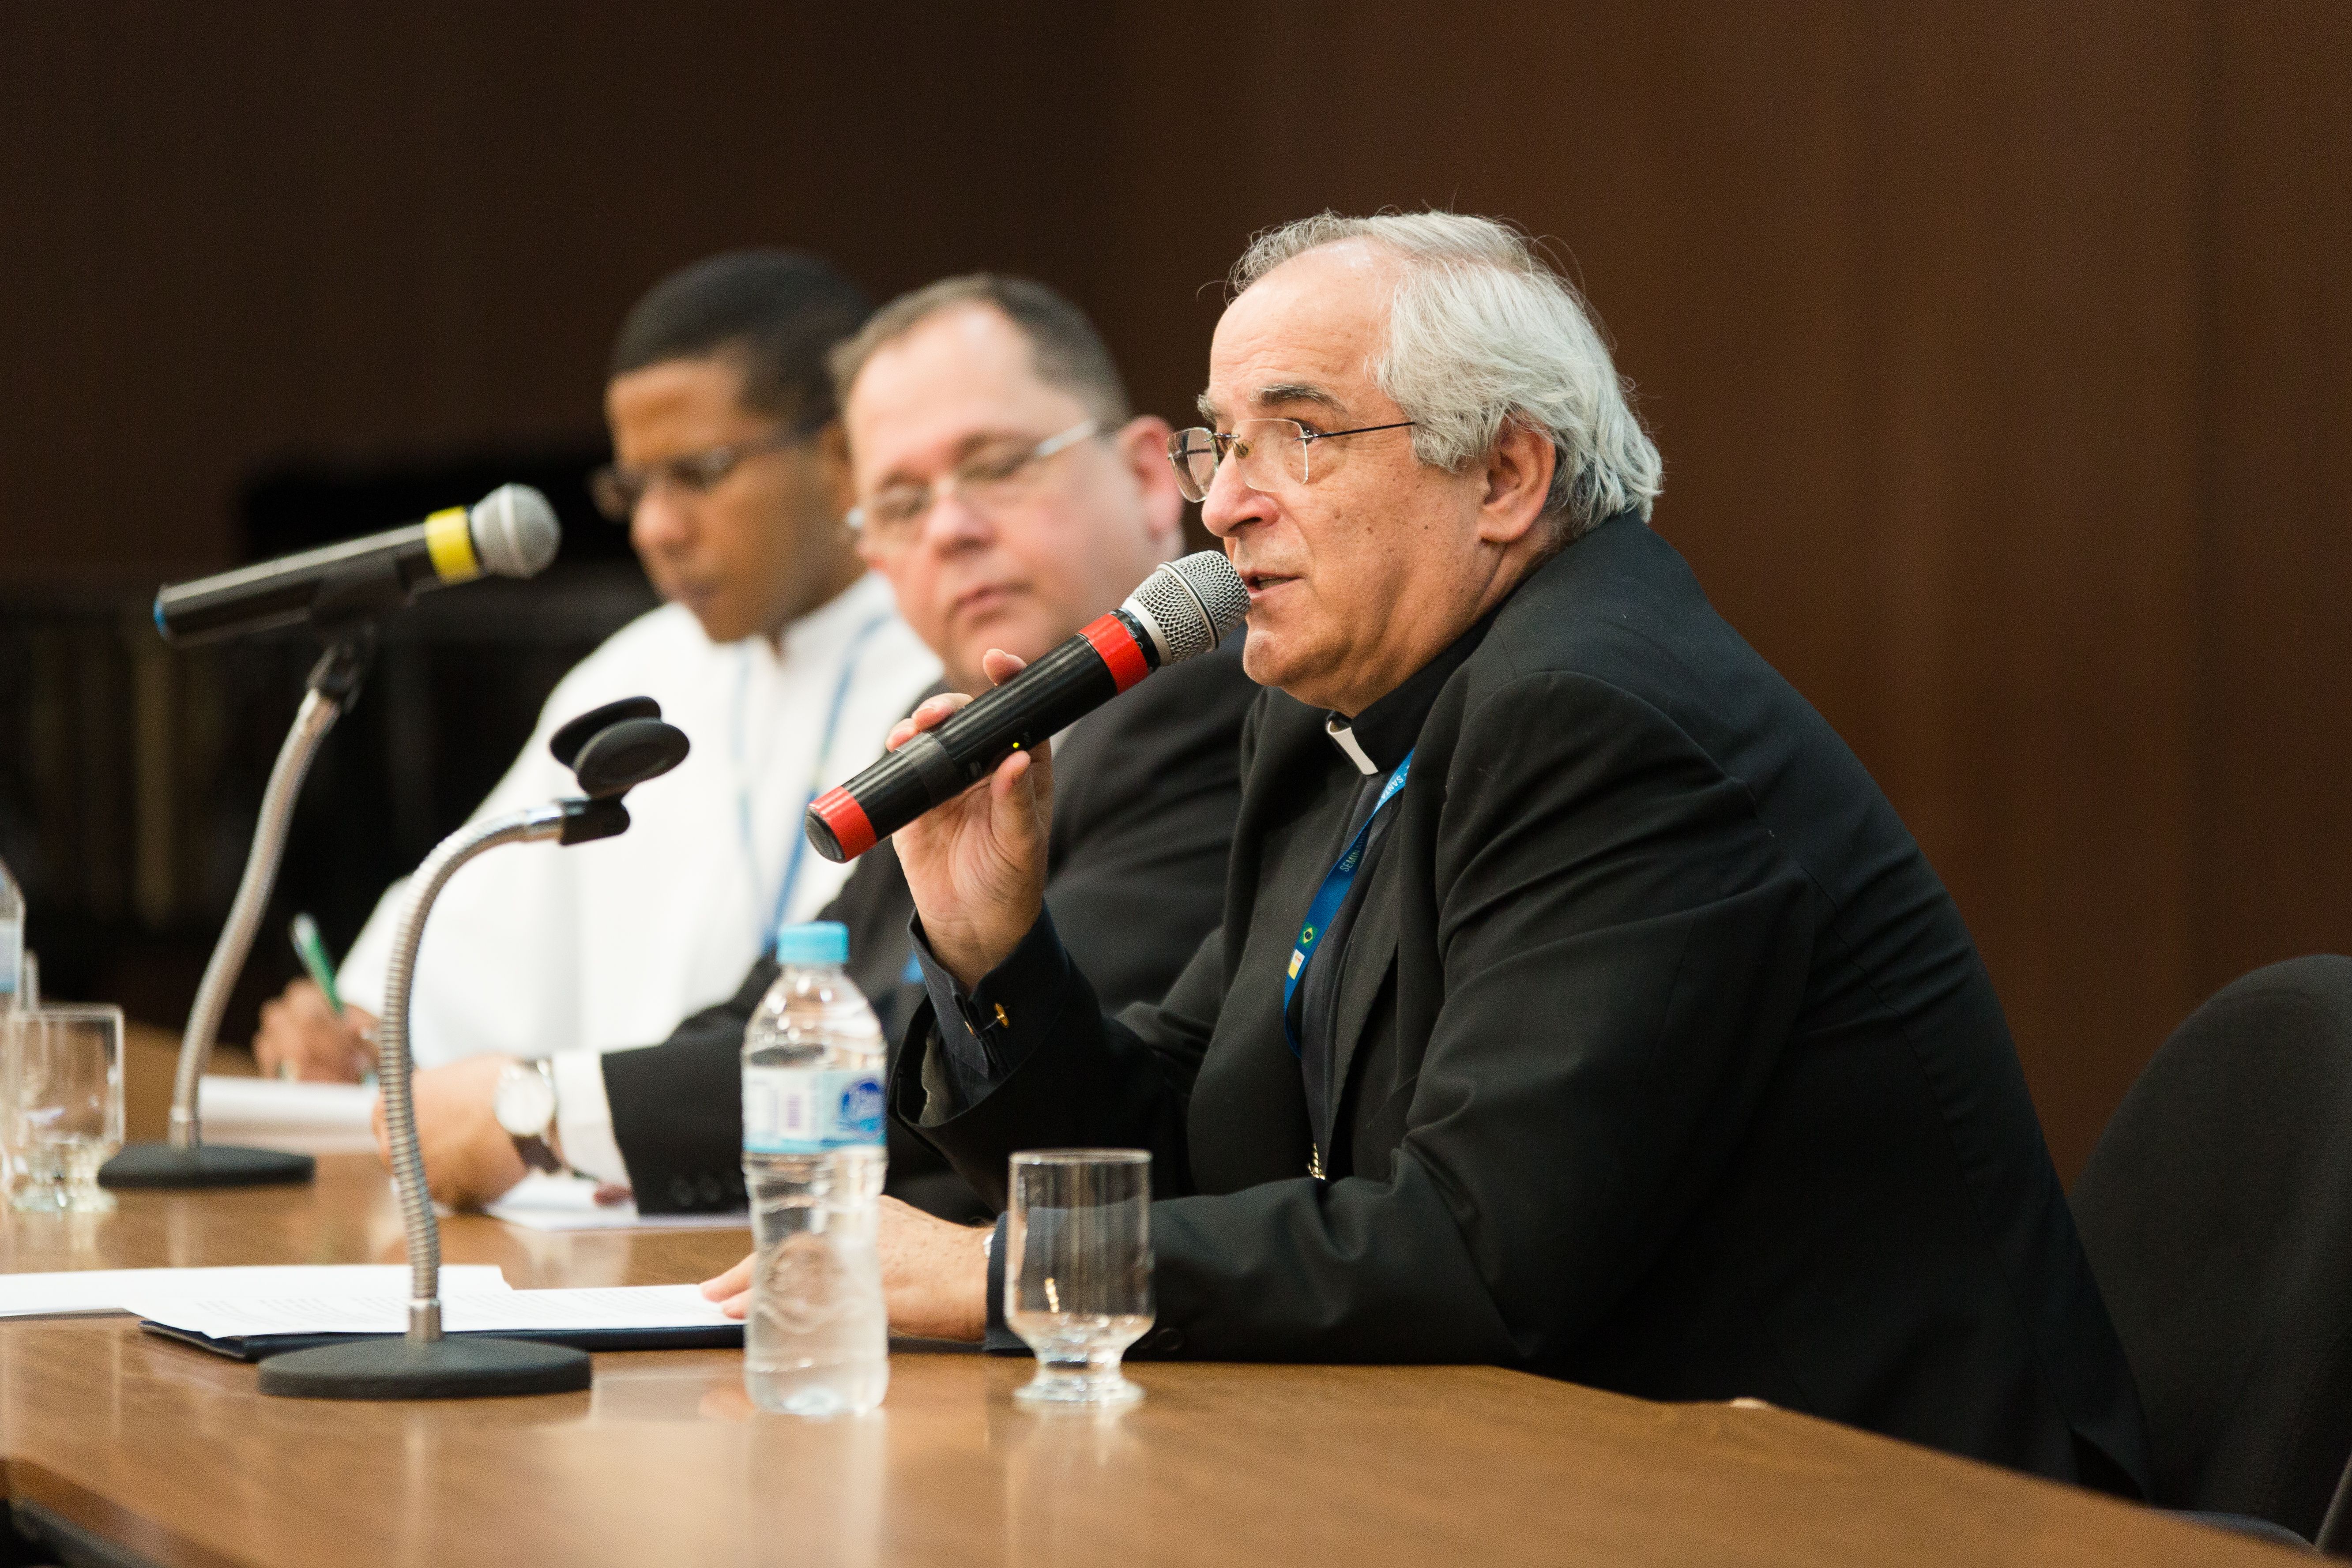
1077	1271
60	1105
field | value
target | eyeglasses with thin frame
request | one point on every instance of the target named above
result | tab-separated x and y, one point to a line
999	474
617	488
1267	451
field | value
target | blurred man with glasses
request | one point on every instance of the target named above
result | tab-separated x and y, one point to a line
1009	496
778	653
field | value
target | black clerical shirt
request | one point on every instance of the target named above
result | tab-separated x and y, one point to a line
1377	742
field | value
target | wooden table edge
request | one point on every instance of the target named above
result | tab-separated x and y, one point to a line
104	1525
117	1532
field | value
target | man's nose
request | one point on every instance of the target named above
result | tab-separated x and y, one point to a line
1230	504
663	520
953	522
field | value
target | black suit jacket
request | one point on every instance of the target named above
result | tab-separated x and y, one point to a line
1145	794
1665	1062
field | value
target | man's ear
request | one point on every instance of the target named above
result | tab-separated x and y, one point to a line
833	459
1519	472
1142	445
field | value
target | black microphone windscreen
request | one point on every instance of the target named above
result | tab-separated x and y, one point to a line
565	743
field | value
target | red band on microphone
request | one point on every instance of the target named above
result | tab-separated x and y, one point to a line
1118	649
839	810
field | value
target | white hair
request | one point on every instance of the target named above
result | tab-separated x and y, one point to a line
1483	333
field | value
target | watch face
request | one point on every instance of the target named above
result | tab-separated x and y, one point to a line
524	1103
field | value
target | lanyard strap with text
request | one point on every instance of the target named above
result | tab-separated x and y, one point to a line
817	776
1331	895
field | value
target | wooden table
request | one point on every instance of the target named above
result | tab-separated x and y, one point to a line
172	1454
150	1058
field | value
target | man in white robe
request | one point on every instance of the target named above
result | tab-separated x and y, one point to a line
782	659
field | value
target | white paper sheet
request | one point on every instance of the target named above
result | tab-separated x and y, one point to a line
109	1290
302	1118
542	1201
463	1310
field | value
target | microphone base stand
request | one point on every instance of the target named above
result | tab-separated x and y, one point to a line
463	1368
425	1364
187	1161
172	1167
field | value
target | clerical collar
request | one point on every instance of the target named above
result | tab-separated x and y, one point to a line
1378	737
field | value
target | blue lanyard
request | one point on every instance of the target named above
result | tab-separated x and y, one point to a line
1331	895
816	775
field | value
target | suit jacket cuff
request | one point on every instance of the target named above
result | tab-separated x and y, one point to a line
983	1036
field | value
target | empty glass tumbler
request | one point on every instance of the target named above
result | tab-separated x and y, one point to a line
1077	1270
60	1105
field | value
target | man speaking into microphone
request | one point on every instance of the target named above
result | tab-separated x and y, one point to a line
1579	1004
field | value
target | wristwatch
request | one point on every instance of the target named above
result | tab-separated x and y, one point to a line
525	1105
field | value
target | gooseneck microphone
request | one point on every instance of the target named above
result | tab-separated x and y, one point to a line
511	532
1181	611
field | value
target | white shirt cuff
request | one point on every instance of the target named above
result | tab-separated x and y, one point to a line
584	1117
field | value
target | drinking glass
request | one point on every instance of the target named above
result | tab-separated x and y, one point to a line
1077	1270
61	1105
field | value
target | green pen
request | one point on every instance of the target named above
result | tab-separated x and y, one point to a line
312	952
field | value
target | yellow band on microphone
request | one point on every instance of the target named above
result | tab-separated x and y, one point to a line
449	541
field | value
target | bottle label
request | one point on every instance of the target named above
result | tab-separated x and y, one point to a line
808	1110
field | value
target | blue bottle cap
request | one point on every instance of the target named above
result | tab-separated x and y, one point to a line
812	942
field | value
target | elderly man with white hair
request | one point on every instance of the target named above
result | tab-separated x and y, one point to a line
1580	1005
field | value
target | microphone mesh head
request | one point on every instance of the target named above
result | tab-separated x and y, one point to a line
1189	604
515	532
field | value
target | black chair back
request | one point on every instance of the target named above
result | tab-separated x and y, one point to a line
2217	1212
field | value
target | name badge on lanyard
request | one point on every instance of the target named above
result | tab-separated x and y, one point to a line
1331	895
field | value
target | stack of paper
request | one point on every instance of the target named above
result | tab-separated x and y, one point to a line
303	1117
112	1290
463	1312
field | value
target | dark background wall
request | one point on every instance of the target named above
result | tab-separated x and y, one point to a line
2001	353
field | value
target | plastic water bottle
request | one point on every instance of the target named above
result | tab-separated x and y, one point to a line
817	1341
12	939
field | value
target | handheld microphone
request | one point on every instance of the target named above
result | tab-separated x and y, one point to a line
511	532
1183	610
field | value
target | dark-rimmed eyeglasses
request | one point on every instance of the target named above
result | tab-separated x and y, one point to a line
617	488
1267	452
1002	473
